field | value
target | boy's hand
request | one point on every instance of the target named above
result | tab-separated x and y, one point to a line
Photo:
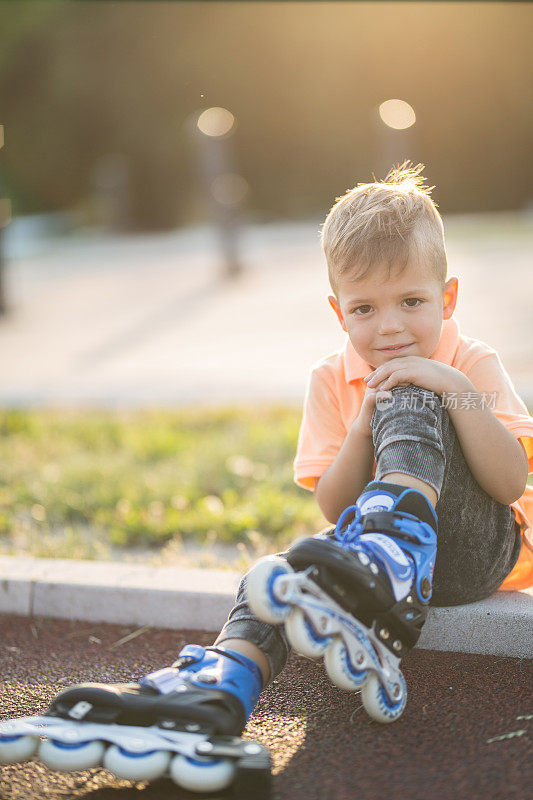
372	396
424	372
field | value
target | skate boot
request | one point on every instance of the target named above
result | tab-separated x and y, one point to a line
358	596
183	721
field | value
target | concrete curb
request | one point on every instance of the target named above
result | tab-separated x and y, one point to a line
200	599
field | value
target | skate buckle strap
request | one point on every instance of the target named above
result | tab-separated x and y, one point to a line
168	679
395	523
190	654
80	710
164	681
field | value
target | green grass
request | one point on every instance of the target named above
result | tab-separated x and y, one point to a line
206	487
78	484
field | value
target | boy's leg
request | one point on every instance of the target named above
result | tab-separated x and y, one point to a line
478	538
414	483
266	644
252	651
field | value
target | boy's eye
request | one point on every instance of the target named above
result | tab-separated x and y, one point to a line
410	302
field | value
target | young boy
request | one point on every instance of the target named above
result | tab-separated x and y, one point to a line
447	439
454	428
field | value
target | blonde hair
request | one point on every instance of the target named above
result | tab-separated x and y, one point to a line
384	222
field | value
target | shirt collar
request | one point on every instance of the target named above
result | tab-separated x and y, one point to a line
356	368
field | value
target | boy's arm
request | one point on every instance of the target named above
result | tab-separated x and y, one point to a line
497	459
342	483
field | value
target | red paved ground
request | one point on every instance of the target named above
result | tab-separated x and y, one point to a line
465	732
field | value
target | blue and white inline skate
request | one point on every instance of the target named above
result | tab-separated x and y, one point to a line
357	596
182	722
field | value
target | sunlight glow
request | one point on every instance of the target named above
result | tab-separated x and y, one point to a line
216	121
397	114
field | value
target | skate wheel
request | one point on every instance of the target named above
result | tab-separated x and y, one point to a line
136	766
377	703
202	775
303	637
17	748
71	757
340	669
264	598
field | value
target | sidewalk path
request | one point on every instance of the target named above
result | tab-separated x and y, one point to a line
139	594
464	734
147	320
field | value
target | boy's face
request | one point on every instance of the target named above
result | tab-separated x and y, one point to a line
393	317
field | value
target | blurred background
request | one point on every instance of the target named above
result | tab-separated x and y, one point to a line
164	172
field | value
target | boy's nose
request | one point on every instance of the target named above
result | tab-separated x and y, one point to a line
389	323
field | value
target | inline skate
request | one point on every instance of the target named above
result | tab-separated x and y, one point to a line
182	722
357	596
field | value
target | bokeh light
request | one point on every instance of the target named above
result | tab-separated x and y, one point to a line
216	121
229	189
397	114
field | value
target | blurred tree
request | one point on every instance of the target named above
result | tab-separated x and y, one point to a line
80	81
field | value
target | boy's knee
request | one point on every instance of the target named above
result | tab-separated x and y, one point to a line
412	417
409	398
411	404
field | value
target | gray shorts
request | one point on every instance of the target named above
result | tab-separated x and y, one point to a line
478	538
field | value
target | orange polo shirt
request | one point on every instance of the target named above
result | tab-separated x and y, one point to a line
335	394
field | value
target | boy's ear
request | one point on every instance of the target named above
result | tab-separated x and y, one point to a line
449	297
337	309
